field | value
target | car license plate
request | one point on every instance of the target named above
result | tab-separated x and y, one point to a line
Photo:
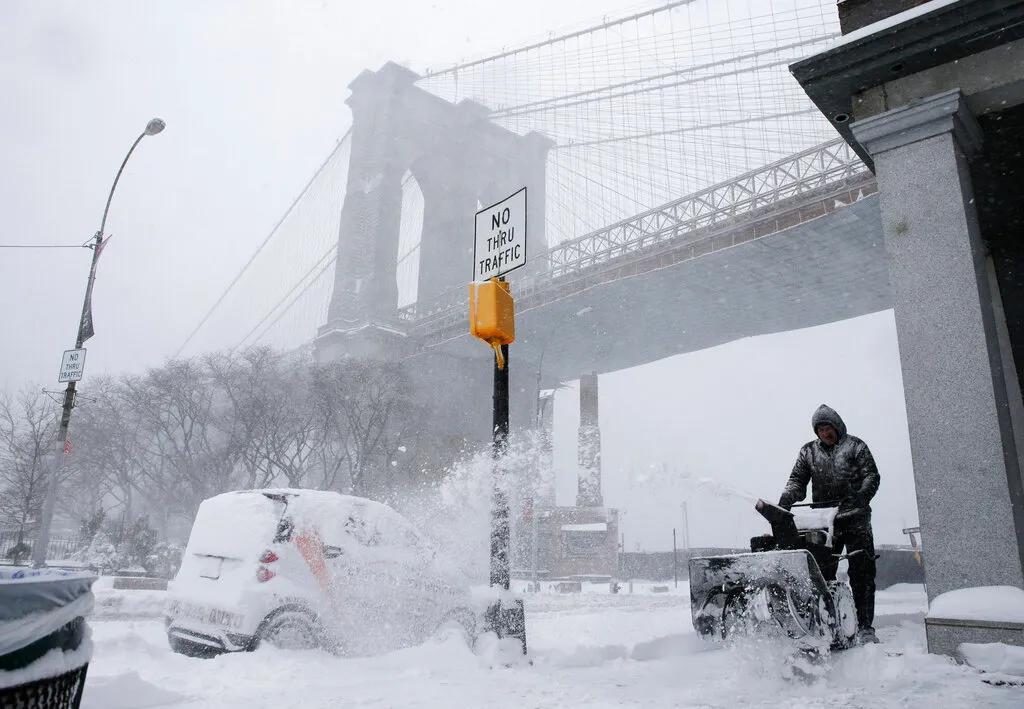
209	566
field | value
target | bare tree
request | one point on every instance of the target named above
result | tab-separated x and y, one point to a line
361	402
162	442
186	458
28	429
275	427
106	467
239	387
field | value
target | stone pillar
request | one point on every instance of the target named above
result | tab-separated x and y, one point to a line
533	162
958	404
449	206
589	450
365	284
513	162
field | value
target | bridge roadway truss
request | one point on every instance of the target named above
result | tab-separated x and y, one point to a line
805	186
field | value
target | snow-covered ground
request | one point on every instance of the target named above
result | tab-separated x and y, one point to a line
592	649
125	605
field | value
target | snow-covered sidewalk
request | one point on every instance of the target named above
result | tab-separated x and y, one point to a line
114	604
589	650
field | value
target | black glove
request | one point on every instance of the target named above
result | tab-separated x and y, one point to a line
862	500
855	503
786	501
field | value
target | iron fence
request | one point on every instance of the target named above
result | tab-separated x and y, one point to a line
17	548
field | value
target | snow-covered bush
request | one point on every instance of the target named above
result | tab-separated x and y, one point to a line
116	547
163	561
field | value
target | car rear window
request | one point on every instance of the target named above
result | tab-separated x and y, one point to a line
236	525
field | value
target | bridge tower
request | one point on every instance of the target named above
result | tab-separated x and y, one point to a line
460	160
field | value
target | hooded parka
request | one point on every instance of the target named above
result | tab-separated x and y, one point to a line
845	472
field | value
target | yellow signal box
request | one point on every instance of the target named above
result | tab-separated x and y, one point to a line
492	314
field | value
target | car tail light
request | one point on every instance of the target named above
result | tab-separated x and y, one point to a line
268	557
264	574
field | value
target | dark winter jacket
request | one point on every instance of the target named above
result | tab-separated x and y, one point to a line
845	471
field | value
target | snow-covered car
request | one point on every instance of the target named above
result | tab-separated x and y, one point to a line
307	568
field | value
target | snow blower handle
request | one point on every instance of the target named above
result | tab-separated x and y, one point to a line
840	557
782	523
772	512
826	503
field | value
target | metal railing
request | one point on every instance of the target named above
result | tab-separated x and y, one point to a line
17	549
676	222
764	187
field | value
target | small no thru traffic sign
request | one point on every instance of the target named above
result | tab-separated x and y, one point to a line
72	366
500	244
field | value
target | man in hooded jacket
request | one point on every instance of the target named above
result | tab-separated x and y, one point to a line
841	469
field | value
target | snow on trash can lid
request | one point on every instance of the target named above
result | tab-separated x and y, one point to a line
36	603
26	591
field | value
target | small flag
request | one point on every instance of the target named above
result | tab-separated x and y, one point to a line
86	326
67	447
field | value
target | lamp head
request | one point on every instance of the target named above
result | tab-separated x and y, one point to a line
155	126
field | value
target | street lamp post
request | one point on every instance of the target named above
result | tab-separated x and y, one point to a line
85	331
539	416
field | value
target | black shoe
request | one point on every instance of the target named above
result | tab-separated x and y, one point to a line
867	636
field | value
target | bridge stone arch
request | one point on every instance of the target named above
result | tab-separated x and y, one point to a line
459	158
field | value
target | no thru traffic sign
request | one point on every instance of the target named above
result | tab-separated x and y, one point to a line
500	243
72	366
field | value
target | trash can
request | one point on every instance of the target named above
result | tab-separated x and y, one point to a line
45	646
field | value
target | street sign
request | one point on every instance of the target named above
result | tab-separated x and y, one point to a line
72	366
500	242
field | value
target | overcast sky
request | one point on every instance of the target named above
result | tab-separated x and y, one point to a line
253	95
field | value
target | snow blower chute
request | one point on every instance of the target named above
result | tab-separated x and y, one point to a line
786	586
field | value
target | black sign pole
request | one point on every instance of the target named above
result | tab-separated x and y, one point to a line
500	572
507	619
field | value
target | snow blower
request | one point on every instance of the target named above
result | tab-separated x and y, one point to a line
785	588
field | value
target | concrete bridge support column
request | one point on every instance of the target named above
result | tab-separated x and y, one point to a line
545	478
589	491
953	346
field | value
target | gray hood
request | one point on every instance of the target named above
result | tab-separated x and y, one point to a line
826	414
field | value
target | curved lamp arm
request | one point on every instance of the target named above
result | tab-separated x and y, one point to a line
152	128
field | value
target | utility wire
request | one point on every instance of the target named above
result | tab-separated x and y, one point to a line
43	246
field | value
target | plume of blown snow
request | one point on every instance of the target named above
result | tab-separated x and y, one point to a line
713	487
455	513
